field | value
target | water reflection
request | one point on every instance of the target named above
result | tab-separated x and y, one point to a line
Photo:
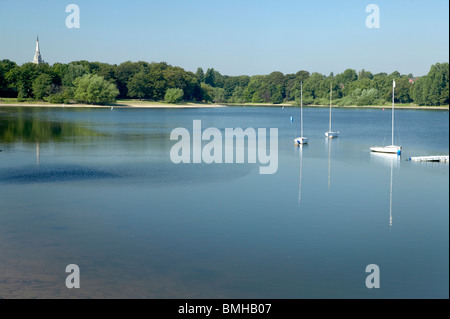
329	142
300	178
390	160
37	153
28	126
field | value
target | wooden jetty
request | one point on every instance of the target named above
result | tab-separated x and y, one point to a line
436	158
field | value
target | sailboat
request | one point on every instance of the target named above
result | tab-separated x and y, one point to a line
301	139
330	133
390	148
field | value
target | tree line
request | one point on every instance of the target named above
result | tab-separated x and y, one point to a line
102	83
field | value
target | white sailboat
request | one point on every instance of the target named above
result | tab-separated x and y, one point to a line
394	149
330	133
301	140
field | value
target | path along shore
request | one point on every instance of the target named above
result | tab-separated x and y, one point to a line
198	105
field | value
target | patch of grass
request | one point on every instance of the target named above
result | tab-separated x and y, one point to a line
10	100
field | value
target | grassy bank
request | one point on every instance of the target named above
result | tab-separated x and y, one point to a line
399	105
132	103
123	103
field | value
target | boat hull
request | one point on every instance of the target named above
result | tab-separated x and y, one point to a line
331	134
301	140
392	149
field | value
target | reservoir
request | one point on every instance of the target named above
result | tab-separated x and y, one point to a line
96	187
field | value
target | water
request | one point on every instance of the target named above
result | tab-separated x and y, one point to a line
96	188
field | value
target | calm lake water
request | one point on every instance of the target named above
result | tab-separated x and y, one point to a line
97	188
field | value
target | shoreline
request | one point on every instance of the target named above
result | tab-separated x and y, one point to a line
412	107
157	105
118	106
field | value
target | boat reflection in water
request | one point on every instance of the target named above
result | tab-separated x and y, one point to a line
300	178
391	160
328	143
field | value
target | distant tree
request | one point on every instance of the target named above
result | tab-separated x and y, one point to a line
94	89
244	80
125	71
367	97
403	90
348	76
210	77
256	98
174	95
139	86
207	92
21	79
42	86
276	78
436	81
395	74
444	100
312	86
277	96
265	95
253	86
302	76
200	74
72	72
108	71
238	95
363	74
219	95
432	89
229	85
6	90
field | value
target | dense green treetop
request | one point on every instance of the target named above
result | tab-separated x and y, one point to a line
151	81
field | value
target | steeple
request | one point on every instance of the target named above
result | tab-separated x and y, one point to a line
37	55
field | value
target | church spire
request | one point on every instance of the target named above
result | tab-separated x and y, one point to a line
37	55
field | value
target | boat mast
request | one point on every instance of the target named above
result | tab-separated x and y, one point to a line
393	86
330	105
301	109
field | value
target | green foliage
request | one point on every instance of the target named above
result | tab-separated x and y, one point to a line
62	95
361	97
238	95
207	92
143	80
94	89
139	86
72	72
200	74
219	95
42	86
256	98
174	96
433	88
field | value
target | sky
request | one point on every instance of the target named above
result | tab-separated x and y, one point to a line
235	37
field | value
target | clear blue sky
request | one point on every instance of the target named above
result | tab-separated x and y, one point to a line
235	36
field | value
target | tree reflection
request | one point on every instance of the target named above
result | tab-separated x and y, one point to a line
29	126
